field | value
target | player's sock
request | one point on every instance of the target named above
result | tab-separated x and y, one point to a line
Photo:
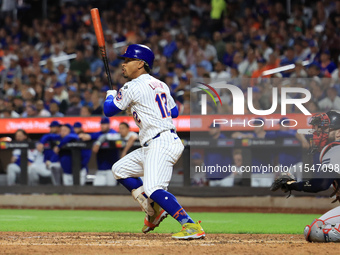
169	203
131	183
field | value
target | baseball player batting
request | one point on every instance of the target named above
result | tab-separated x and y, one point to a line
153	109
326	140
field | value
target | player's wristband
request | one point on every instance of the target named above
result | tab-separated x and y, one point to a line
311	186
111	93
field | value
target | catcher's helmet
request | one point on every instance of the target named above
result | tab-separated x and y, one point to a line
334	119
322	124
139	51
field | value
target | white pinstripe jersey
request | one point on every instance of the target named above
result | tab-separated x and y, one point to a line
151	105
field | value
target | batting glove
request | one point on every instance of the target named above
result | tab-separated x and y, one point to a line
111	93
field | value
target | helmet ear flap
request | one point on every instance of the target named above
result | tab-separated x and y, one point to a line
334	119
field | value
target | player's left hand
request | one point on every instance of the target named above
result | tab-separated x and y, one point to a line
128	110
283	182
84	137
95	148
56	149
112	92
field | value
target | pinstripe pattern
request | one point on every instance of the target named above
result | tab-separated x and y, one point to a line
129	166
160	156
154	162
140	94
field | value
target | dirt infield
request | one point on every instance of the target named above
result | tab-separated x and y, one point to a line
126	243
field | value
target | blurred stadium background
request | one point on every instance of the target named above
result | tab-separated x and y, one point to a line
51	70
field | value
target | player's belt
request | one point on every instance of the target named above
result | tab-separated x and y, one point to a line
158	135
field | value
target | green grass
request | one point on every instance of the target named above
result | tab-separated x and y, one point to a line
128	221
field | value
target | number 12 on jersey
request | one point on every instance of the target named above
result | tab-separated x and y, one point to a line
162	104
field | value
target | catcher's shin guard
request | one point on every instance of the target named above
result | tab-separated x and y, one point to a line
143	200
322	232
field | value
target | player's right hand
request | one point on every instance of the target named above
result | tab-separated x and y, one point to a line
56	149
84	137
111	93
95	148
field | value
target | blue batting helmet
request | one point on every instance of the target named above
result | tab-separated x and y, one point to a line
139	51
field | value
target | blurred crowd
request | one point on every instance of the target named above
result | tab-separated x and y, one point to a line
233	40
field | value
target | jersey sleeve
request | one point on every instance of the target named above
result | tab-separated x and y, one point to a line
124	97
172	103
49	137
67	139
16	153
32	155
100	139
133	134
271	135
96	135
286	134
331	161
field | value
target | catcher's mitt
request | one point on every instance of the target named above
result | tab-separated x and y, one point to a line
283	182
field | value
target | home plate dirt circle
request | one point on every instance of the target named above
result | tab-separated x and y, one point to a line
128	243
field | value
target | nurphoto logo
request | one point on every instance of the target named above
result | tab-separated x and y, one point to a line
238	99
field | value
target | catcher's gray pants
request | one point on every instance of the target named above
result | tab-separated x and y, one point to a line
326	228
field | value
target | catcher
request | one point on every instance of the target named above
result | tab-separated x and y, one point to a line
326	140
